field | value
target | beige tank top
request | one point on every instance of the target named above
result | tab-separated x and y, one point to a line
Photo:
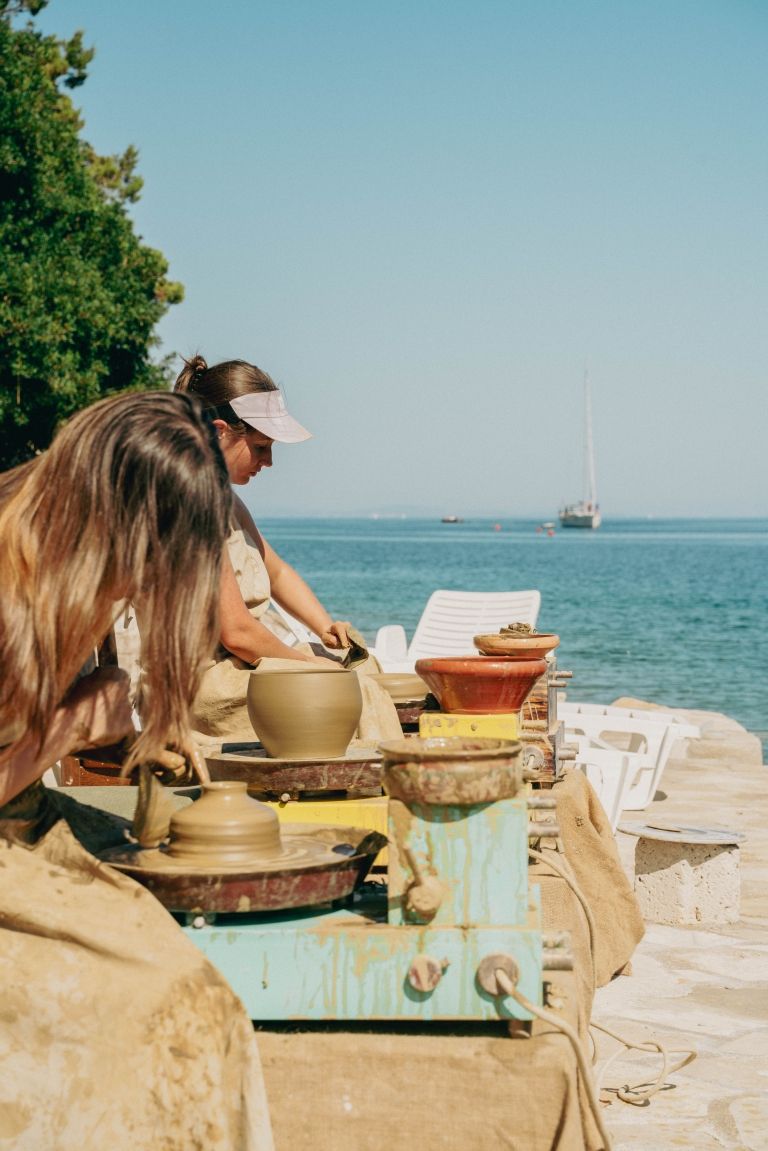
251	571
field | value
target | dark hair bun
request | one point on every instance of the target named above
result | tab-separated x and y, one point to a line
192	372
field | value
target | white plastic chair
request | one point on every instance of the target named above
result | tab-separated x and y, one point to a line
449	622
567	707
644	739
609	773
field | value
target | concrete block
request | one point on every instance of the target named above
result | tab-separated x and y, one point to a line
683	883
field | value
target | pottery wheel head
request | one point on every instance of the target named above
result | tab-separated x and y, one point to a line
225	826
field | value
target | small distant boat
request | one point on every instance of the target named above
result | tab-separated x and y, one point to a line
451	520
585	513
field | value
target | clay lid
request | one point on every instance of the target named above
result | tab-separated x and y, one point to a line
682	833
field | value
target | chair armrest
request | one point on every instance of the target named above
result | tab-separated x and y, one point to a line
391	647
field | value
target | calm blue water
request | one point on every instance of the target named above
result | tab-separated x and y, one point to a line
674	611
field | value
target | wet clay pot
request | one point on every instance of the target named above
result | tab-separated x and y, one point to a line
225	826
452	771
305	714
479	685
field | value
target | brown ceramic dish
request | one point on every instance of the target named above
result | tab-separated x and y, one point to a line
534	646
480	684
452	771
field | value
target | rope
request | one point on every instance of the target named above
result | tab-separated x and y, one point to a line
641	1094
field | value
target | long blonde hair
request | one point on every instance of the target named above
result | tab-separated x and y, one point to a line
131	501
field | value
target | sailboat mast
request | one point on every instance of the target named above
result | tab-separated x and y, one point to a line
589	455
585	513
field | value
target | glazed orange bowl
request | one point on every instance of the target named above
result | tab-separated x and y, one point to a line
480	684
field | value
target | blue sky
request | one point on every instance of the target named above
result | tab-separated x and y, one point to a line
424	219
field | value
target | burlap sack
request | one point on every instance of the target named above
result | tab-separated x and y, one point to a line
115	1031
476	1091
561	911
591	852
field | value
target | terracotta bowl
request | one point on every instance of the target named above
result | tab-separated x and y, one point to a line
480	684
403	687
517	646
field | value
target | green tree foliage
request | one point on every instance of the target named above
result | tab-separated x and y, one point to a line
80	294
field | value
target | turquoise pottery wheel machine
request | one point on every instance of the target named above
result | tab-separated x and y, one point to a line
426	944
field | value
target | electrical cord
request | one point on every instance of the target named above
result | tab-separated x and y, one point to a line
508	989
566	874
641	1093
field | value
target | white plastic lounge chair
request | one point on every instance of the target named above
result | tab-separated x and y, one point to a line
448	623
608	770
567	707
646	740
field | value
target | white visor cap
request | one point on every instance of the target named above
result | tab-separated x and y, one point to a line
266	411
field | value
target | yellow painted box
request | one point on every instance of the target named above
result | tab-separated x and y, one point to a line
440	724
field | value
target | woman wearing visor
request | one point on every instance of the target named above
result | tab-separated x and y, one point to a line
250	415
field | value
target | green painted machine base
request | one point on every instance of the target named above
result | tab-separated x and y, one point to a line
349	964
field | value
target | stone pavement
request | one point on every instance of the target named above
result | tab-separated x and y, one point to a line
702	987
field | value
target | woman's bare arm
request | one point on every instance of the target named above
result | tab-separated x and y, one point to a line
243	635
97	712
291	591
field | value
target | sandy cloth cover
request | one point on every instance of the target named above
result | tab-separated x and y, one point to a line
115	1031
220	711
591	853
474	1091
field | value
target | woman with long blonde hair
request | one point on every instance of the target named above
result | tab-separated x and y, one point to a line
131	502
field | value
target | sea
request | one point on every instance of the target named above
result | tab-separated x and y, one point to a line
673	611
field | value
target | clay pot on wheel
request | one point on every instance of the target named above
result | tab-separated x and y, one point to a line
225	826
305	714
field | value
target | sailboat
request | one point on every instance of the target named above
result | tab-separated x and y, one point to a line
585	513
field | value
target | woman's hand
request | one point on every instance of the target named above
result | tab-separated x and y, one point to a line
337	634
